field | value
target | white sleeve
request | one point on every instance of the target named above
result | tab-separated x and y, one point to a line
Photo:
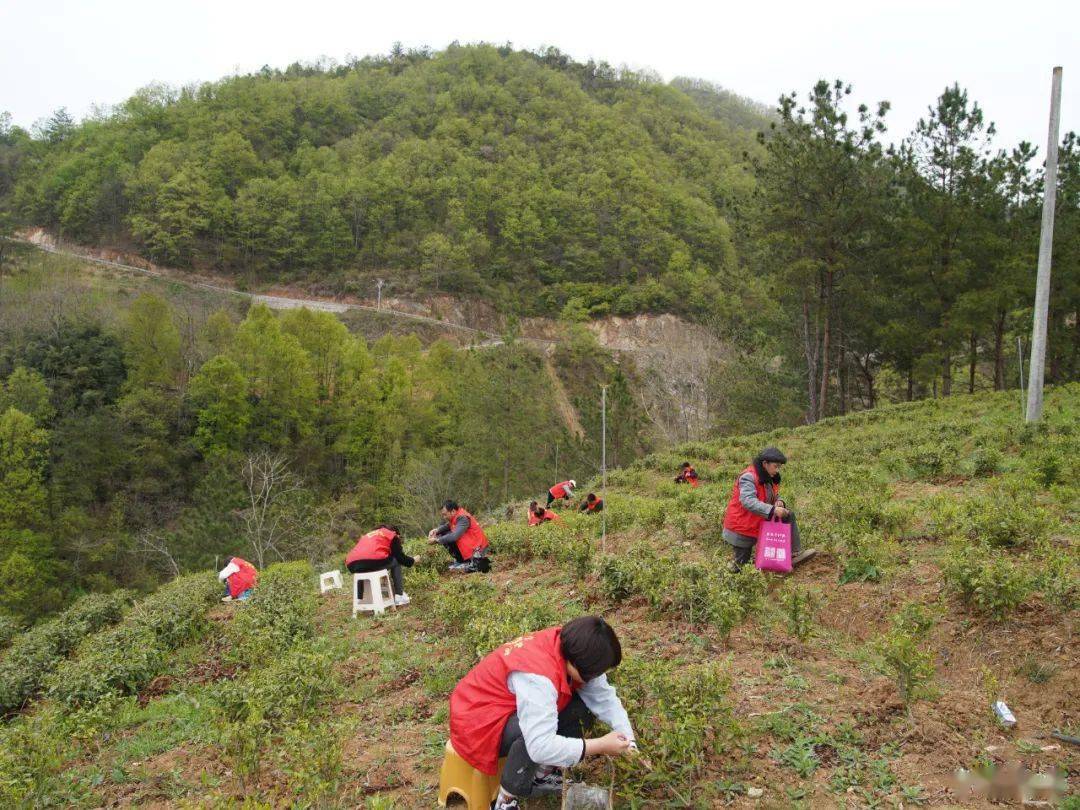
538	716
228	571
601	699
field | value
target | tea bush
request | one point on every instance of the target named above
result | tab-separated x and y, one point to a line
862	558
800	607
989	582
9	628
684	718
473	610
268	701
701	593
568	541
38	651
905	653
280	612
1006	515
124	658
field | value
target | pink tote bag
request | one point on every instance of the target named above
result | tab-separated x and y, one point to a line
774	547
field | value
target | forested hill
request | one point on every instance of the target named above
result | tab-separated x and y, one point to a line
517	176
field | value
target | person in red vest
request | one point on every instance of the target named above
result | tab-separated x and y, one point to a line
542	515
687	475
563	489
381	550
240	578
463	538
591	504
754	498
527	701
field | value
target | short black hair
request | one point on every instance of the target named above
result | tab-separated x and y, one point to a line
540	511
450	506
686	463
591	496
590	644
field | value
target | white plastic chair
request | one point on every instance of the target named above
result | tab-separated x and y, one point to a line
374	600
329	580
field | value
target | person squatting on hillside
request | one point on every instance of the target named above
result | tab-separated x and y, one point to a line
539	514
527	701
687	475
463	539
381	550
591	504
240	578
753	500
563	489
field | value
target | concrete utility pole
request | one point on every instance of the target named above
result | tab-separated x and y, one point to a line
378	293
1046	247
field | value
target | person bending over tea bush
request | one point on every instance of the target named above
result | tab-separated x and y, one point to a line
591	504
240	578
687	475
527	701
754	499
564	490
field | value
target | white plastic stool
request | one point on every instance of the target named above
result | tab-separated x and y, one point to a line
374	600
329	581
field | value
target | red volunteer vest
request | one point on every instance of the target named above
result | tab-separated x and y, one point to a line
560	490
243	579
738	518
481	703
473	539
372	546
591	507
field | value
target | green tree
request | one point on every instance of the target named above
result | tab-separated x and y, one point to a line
26	391
279	378
23	457
820	193
152	343
942	161
219	393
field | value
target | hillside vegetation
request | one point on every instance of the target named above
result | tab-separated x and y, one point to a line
947	577
484	171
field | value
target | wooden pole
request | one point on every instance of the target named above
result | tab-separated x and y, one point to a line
603	468
1036	367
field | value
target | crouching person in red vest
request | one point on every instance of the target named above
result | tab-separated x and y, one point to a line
463	538
527	701
687	475
563	489
539	514
240	578
381	550
591	504
755	498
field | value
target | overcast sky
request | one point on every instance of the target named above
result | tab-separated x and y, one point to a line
76	54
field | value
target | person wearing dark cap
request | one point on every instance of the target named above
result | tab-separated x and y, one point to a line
527	700
754	499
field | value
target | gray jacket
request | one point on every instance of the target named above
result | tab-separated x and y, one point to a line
750	501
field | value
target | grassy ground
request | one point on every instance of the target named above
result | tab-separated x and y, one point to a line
947	577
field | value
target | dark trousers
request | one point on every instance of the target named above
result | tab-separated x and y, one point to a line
452	549
551	499
367	566
519	771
